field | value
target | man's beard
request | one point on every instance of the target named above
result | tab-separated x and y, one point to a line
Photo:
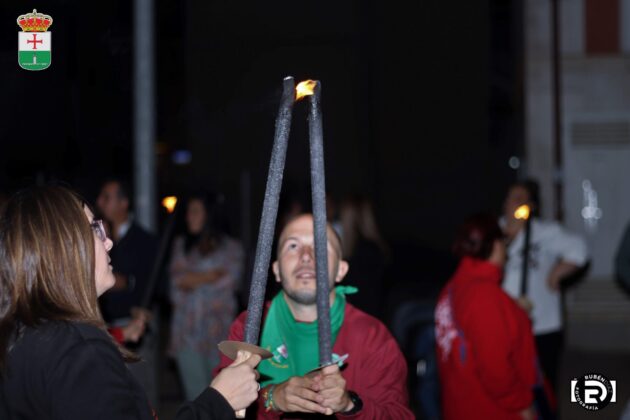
303	297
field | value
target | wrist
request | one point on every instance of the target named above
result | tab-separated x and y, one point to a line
268	400
349	404
355	404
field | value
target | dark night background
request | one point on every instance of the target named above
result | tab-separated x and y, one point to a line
422	104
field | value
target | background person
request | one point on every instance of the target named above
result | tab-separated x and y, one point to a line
366	252
622	260
485	348
132	257
554	255
205	271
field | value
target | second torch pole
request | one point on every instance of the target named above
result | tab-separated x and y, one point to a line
318	191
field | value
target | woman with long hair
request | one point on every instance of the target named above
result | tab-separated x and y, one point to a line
206	266
57	360
366	252
485	348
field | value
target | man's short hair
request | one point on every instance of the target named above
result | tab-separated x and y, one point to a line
338	245
124	189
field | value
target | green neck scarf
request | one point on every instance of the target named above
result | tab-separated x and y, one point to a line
295	344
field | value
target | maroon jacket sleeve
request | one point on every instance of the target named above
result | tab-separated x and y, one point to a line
382	379
236	333
490	327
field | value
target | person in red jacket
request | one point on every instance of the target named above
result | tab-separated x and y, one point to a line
485	348
369	379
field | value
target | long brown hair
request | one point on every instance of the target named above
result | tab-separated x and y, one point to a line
214	229
359	222
48	264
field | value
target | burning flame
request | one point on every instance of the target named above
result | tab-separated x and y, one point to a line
169	203
305	88
522	213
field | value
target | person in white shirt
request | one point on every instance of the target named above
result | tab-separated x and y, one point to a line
554	255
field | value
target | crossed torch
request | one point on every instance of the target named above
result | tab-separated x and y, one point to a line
290	94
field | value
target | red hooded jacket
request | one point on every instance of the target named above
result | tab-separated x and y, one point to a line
485	348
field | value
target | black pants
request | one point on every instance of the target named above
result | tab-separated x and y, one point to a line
550	347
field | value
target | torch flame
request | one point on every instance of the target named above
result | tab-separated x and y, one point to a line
522	213
305	88
169	203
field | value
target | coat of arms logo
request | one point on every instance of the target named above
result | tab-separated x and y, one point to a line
34	42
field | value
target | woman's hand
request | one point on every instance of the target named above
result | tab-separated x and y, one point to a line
135	329
188	282
525	304
559	272
237	382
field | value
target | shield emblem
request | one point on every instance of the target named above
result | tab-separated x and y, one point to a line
35	41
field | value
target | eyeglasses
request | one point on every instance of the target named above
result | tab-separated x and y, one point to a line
98	228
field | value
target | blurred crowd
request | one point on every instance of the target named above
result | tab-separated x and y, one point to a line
488	337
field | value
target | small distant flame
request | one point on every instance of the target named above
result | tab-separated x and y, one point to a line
522	213
305	88
169	203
